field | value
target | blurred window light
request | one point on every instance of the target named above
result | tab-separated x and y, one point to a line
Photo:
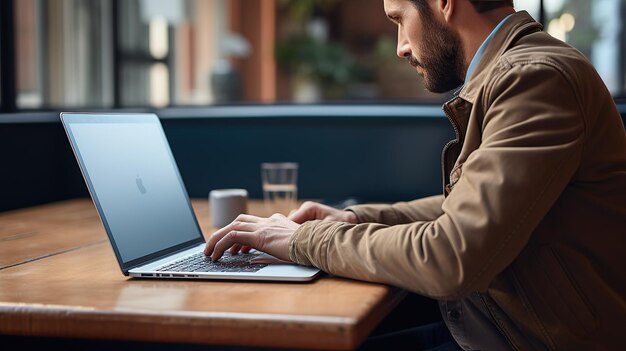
568	22
595	29
557	29
159	41
159	85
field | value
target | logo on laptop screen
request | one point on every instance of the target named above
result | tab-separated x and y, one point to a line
140	186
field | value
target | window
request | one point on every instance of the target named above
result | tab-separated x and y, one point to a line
594	28
63	53
167	51
139	53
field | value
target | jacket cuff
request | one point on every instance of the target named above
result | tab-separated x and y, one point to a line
308	245
385	214
297	245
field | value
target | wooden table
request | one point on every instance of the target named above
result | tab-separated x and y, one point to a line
59	277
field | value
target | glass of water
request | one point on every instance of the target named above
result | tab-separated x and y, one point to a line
280	186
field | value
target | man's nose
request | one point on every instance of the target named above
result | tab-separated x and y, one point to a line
403	50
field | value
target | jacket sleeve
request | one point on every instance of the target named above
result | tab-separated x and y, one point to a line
532	142
426	209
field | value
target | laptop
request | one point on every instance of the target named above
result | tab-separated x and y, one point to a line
137	189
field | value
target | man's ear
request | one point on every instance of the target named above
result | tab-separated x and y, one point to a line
446	8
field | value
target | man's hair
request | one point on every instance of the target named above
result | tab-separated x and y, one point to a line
479	5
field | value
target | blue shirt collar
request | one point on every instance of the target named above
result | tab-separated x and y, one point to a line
481	50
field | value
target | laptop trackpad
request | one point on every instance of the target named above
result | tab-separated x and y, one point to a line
265	258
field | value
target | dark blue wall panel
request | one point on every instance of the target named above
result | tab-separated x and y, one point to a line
36	165
382	159
379	153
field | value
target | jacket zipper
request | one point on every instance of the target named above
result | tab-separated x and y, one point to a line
497	324
457	134
448	114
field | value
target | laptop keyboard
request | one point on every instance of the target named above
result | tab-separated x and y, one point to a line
201	263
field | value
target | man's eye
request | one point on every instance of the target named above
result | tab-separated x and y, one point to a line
394	19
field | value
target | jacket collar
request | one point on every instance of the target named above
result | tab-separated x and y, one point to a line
520	24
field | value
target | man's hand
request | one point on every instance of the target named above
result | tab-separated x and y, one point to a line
270	235
312	210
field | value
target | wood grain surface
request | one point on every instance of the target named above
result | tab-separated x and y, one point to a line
59	277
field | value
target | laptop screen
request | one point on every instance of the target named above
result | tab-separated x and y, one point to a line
134	181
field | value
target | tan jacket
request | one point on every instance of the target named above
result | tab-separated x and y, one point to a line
533	228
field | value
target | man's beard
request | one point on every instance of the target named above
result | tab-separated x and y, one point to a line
442	61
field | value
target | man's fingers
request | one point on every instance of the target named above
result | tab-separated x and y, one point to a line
312	210
244	226
253	232
235	249
247	218
230	239
215	237
242	223
305	213
277	216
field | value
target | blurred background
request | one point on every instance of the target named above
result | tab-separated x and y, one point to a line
158	53
240	82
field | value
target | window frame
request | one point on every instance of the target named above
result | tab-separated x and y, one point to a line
8	83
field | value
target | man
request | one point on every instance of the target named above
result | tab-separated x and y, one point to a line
525	249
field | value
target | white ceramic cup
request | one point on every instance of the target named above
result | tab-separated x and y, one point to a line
226	204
